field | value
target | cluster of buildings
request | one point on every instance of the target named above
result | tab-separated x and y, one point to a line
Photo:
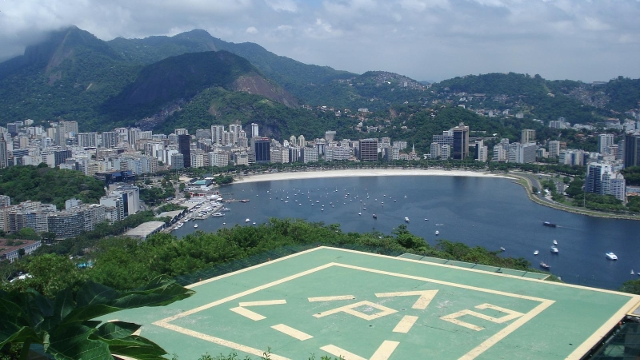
121	201
131	149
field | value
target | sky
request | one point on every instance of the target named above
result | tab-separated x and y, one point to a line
432	40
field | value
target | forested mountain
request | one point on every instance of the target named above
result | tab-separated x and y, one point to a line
546	99
193	80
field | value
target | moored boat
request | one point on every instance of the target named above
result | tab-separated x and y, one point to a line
437	232
611	256
554	250
406	219
544	265
536	252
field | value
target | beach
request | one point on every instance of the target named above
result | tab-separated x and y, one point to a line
299	175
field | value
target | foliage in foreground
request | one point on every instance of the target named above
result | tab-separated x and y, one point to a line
64	325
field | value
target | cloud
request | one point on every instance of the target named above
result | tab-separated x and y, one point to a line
283	5
423	39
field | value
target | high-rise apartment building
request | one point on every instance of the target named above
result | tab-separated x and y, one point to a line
460	146
254	130
632	149
554	148
605	141
368	150
528	135
184	147
262	148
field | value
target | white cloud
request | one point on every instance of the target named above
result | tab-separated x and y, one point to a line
424	39
283	5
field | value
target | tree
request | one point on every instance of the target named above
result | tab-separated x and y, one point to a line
64	326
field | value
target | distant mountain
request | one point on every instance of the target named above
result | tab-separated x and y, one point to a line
545	99
292	75
180	78
75	76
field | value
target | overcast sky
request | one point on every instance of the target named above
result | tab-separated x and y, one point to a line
424	39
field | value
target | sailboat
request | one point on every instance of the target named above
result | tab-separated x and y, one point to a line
632	272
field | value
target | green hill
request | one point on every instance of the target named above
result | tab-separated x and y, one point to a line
53	186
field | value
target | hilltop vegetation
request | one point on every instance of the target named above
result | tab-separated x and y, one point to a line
194	80
51	186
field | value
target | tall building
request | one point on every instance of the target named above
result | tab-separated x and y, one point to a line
254	130
4	153
262	149
184	147
528	135
604	142
329	136
554	148
368	150
632	149
109	139
595	175
435	150
216	133
460	147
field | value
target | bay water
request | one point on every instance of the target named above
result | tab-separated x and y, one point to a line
478	211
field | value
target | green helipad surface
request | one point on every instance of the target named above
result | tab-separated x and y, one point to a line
365	306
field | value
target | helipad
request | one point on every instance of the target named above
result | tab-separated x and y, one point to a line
357	305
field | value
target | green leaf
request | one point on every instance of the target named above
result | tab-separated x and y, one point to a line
116	330
136	347
72	342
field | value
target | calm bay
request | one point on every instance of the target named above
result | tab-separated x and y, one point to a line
477	211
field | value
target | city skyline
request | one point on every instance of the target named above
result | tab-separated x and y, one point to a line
425	40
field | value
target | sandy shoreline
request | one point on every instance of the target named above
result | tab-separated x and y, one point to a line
362	172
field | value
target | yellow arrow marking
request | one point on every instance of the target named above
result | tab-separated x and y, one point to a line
425	297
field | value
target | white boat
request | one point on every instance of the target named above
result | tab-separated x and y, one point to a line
218	214
437	232
360	214
632	272
247	220
536	252
502	249
554	250
611	256
555	242
254	223
426	219
195	225
375	216
406	219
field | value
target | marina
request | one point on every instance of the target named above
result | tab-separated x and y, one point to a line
487	212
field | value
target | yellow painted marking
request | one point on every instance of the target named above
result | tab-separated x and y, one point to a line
550	283
331	298
423	301
405	324
262	303
245	293
219	341
351	310
603	331
248	313
471	355
385	350
341	353
485	345
420	278
253	267
453	318
294	333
